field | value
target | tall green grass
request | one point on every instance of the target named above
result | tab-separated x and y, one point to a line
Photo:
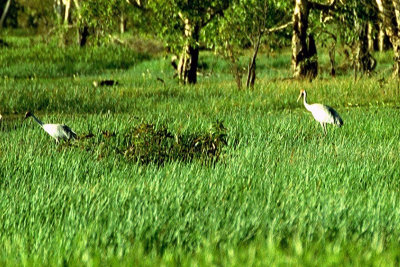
281	193
29	58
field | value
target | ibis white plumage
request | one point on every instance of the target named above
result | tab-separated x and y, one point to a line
321	113
57	131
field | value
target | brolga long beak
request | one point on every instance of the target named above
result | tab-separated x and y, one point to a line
299	97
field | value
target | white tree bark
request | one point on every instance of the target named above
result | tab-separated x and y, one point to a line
122	23
381	37
187	67
299	38
304	51
370	37
67	4
387	10
3	16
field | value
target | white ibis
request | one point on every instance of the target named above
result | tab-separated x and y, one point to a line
57	131
321	113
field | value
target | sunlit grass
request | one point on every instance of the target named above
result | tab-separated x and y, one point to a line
280	193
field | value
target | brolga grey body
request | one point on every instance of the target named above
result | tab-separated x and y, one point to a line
57	131
321	113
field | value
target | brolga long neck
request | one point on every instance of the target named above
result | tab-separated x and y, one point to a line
37	120
305	101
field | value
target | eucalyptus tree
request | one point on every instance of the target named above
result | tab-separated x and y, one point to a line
179	23
361	14
247	24
389	13
304	51
350	24
4	13
37	14
264	17
94	20
99	18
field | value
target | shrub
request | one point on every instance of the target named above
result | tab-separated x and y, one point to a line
147	144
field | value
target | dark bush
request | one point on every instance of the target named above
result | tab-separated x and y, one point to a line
146	144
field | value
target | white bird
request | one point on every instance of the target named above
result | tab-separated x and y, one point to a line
57	131
321	113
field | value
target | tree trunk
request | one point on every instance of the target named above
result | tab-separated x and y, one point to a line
188	62
332	52
251	74
383	39
299	44
396	71
187	67
304	51
396	39
5	10
389	10
364	62
67	4
83	35
312	64
58	10
83	31
370	37
235	67
304	61
122	23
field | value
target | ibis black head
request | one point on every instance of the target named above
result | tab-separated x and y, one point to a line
28	114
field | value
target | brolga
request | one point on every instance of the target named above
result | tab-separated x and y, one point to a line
321	113
57	131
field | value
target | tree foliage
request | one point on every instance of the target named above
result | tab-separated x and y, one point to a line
228	27
244	19
245	25
167	18
100	16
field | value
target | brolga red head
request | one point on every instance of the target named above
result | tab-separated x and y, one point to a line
302	93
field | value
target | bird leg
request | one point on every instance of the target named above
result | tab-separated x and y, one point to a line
323	127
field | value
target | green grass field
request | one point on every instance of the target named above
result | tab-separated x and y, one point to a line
280	192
